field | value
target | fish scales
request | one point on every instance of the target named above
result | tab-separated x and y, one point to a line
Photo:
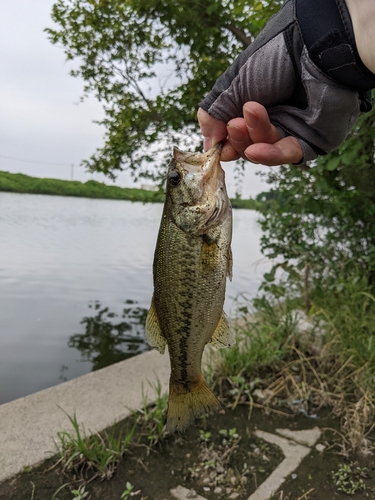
186	303
192	261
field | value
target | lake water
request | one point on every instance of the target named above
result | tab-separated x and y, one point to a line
76	280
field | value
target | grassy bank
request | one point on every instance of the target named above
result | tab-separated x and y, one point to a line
298	364
20	183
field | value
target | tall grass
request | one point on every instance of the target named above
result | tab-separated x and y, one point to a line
348	308
284	358
264	331
99	454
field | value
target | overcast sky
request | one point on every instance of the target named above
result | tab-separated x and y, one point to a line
41	119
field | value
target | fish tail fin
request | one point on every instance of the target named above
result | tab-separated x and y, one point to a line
185	404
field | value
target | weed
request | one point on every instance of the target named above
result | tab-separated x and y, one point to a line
348	478
152	416
81	453
204	436
80	493
128	491
228	435
54	497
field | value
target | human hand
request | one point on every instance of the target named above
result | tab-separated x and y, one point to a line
307	78
252	137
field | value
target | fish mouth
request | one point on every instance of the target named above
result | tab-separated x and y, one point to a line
215	191
213	173
211	160
199	162
207	163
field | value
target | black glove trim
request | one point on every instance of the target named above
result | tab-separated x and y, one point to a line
328	34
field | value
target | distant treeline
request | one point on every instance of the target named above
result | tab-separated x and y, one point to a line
20	183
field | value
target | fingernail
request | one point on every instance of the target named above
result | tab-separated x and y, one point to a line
251	159
207	143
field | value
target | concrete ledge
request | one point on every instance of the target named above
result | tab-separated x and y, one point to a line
29	425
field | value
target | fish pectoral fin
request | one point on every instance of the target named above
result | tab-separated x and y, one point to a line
154	335
222	336
230	264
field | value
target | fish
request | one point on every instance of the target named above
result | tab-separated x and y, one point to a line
192	261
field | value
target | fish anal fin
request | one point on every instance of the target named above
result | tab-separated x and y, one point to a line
153	332
222	336
187	403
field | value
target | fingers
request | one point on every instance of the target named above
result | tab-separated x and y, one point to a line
286	150
252	137
212	130
256	139
238	136
258	124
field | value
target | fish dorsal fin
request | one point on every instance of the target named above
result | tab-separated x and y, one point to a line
154	335
222	336
230	264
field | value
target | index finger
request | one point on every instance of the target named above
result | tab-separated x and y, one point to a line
212	130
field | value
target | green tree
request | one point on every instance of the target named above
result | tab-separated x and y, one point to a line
150	62
327	219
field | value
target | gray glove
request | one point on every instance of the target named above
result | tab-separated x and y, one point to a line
305	69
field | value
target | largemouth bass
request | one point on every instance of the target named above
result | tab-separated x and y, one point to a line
192	261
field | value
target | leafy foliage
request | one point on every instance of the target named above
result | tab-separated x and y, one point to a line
150	62
327	216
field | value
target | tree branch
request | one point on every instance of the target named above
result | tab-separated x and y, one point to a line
239	34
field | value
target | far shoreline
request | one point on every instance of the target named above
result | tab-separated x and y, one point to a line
26	184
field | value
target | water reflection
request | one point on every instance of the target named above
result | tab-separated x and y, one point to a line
107	340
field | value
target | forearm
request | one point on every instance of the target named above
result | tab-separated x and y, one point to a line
362	13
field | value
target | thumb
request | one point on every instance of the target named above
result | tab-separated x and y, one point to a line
213	130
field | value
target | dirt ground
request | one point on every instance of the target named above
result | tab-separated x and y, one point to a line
219	457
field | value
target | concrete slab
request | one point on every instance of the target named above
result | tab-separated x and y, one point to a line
294	454
29	425
307	437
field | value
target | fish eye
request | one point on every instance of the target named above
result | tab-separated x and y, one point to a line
174	178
